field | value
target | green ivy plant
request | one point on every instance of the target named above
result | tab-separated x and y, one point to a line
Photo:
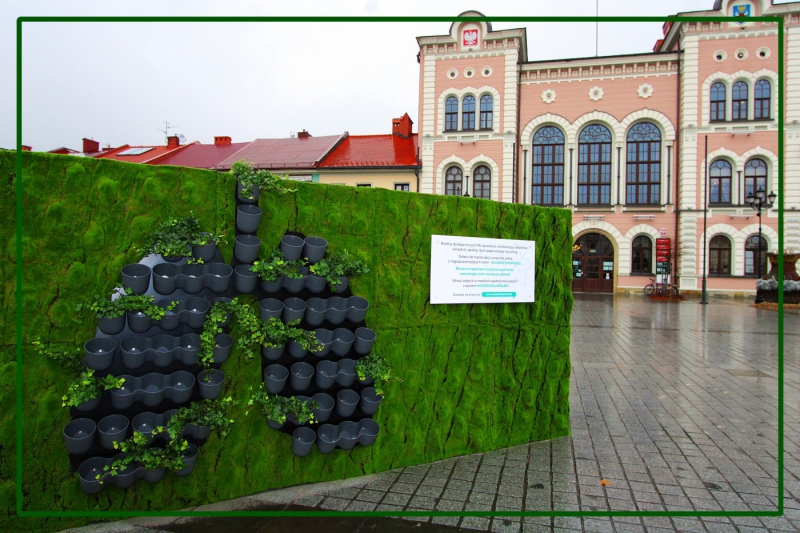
377	367
262	178
212	326
277	408
172	237
103	306
277	334
86	387
275	266
70	359
211	413
335	266
140	452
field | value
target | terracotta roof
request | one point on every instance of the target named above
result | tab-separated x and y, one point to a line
144	157
200	155
294	152
374	151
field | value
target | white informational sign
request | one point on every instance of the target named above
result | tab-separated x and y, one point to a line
467	270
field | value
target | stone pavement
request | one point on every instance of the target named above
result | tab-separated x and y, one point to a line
674	404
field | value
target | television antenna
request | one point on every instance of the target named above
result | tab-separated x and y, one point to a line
166	129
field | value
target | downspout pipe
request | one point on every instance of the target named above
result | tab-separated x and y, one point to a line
678	134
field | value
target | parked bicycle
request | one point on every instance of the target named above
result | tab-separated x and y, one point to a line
660	289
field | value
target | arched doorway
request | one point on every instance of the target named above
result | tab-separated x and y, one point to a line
593	264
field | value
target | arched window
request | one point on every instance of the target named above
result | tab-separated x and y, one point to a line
594	165
719	256
451	114
753	253
482	182
487	109
720	182
739	93
763	94
755	177
644	164
548	167
468	113
642	255
718	102
452	181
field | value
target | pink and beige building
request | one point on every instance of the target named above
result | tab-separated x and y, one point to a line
620	141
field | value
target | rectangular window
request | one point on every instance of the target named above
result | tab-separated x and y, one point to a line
402	187
363	185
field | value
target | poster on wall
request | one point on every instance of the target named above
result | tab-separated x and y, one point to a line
484	271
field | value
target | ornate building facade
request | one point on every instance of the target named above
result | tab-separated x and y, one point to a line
621	142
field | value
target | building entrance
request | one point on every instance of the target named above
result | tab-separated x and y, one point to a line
593	264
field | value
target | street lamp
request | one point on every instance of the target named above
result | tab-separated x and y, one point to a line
758	201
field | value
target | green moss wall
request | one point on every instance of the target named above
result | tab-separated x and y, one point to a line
474	377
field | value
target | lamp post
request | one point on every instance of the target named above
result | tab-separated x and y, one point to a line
758	201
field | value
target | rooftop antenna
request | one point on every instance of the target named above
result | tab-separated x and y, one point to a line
166	129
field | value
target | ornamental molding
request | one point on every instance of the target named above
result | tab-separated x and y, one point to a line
547	119
596	93
594	71
645	90
548	96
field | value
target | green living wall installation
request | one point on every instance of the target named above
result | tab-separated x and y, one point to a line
474	377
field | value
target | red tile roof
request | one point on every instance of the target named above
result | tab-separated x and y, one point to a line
374	151
200	155
154	152
294	152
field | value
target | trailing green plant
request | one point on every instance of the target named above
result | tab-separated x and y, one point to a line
277	408
70	359
251	331
87	387
377	367
210	413
336	266
204	238
140	452
277	334
275	266
110	307
262	178
172	237
212	326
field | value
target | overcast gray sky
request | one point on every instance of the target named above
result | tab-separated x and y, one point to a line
119	82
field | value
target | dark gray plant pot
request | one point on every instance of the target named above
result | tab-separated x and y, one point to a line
172	258
98	353
222	299
292	247
154	476
326	404
191	311
316	310
153	388
301	375
315	284
365	338
192	278
244	279
138	322
337	310
222	349
111	326
346	372
248	217
341	372
79	435
112	428
295	349
197	432
246	248
87	472
90	405
211	389
357	309
303	441
314	249
343	341
272	354
275	377
348	435
294	285
346	402
368	431
206	252
327	436
272	286
254	192
370	401
165	278
324	338
270	308
127	476
189	459
342	285
293	309
145	423
136	277
217	277
161	350
274	425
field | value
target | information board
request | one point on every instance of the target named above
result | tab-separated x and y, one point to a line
475	270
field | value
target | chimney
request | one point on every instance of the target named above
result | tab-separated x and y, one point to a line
402	126
90	146
26	148
173	141
222	140
303	134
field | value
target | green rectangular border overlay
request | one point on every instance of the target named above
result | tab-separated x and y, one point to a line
781	64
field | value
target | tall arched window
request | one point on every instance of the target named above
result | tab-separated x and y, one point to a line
718	102
547	182
451	114
720	182
452	181
642	255
468	113
719	256
755	177
763	96
753	253
482	182
487	110
644	164
594	165
739	101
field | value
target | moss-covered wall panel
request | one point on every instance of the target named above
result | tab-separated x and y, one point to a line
474	377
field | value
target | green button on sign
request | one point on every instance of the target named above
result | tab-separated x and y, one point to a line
499	294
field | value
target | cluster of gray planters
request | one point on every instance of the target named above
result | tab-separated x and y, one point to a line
191	312
163	350
294	285
335	310
337	341
93	478
341	372
312	249
192	279
153	388
346	435
145	423
248	217
136	277
347	400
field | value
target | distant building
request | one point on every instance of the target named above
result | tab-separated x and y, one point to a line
142	154
198	155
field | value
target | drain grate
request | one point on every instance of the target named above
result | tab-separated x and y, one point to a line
748	373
